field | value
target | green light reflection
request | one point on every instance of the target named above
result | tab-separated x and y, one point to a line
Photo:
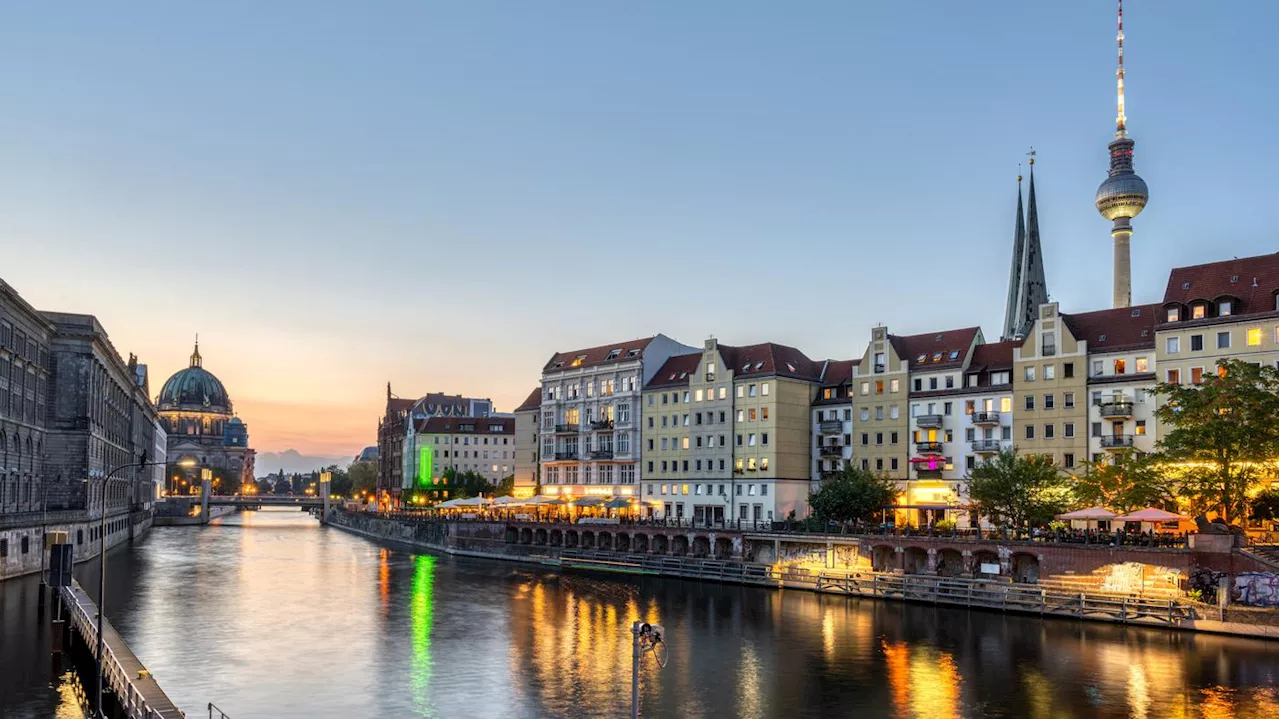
420	611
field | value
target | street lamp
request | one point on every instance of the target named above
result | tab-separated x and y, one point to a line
102	561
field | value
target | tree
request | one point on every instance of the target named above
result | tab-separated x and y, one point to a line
283	485
264	486
1019	490
364	477
466	484
851	494
1220	435
1262	508
506	486
1135	480
339	481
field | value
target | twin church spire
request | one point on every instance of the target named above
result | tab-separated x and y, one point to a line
1027	290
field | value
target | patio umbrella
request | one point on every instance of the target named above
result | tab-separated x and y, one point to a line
547	500
1091	513
588	502
1150	514
448	505
618	503
472	502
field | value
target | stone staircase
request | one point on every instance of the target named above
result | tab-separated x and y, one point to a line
1122	580
1265	553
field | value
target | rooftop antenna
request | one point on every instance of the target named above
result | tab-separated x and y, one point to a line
1120	129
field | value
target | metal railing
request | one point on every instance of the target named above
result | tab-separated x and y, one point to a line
929	420
830	451
985	445
602	424
566	456
929	447
221	714
566	428
986	418
1117	441
830	426
1123	408
601	454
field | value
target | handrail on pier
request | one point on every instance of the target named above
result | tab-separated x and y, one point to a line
221	714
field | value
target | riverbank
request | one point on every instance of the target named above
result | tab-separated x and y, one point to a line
22	540
490	543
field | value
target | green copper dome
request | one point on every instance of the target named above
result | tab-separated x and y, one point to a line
194	388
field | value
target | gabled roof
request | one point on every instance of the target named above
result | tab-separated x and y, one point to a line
532	402
395	405
675	372
941	350
465	425
1115	330
1253	281
592	356
838	372
769	358
993	356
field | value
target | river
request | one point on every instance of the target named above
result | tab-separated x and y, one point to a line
267	614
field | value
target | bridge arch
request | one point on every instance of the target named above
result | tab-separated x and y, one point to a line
571	539
526	536
557	538
622	542
640	543
540	536
588	540
661	544
604	540
723	548
680	545
701	545
950	562
981	557
1026	567
883	558
915	560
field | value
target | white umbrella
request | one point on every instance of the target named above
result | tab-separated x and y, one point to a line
1087	514
472	502
508	502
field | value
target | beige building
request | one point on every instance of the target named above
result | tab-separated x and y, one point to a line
880	423
1049	390
727	435
526	445
484	445
1121	374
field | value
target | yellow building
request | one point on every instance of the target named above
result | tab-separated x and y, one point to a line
1049	390
526	445
880	423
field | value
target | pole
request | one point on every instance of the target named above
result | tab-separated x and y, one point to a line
102	588
635	670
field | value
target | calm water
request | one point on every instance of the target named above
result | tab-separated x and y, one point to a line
270	615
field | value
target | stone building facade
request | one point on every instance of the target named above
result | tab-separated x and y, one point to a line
25	335
199	419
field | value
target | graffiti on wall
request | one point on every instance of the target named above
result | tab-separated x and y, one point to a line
1255	589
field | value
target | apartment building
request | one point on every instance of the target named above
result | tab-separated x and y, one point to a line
880	397
832	427
484	445
526	445
1049	386
589	429
1121	372
1220	310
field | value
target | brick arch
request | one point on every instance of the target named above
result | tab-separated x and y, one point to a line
883	558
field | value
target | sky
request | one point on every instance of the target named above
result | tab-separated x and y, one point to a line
441	195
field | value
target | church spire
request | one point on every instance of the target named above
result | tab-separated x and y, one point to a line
195	353
1015	271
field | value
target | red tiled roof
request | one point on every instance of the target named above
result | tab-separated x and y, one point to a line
838	372
1113	330
395	405
454	425
595	355
1256	280
770	359
933	344
993	356
533	401
675	371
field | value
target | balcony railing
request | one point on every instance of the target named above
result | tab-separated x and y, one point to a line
879	368
566	456
929	420
1117	441
566	429
602	454
929	473
986	445
830	426
1123	408
711	376
830	451
929	447
986	418
602	424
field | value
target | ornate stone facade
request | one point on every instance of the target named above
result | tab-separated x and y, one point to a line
202	427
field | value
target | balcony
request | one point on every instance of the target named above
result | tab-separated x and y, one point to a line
929	420
604	424
929	447
985	446
981	418
601	454
566	456
879	368
1117	441
830	426
1123	408
924	473
830	451
566	429
711	376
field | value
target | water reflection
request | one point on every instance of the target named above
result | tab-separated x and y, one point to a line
272	615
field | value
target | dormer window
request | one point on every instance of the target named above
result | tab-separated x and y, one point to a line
922	358
954	354
613	355
557	365
746	367
1102	338
1235	278
791	367
759	365
1174	314
937	356
1224	308
937	338
577	361
1198	312
632	353
1136	313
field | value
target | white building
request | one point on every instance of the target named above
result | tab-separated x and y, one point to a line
832	428
1121	374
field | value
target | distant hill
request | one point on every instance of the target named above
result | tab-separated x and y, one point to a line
291	460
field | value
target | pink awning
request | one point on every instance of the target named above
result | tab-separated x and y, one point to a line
1150	514
1092	513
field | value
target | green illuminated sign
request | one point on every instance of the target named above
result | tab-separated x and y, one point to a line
424	466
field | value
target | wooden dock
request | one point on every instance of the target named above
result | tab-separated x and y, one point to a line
136	690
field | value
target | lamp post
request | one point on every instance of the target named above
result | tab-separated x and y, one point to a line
102	565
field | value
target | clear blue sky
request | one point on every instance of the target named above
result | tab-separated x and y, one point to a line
443	194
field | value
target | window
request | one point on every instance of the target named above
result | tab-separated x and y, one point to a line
1048	371
1172	345
1140	365
1095	429
751	414
741	415
879	464
1068	430
1224	340
916	383
946	408
1006	404
893	438
1197	343
864	414
865	440
879	437
1140	427
879	386
697	395
764	413
1029	374
1068	369
1029	402
1048	401
1097	368
950	381
1253	337
933	383
893	412
724	392
1173	376
893	463
1068	460
1197	375
865	389
684	442
764	389
764	438
1048	431
1224	308
1048	344
879	413
742	391
1172	315
751	390
1031	431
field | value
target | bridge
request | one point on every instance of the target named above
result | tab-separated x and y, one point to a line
174	511
267	500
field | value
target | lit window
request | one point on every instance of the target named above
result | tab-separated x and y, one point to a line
1006	404
1173	376
1197	375
866	388
764	388
893	385
1173	314
1141	365
1197	312
1253	337
1118	366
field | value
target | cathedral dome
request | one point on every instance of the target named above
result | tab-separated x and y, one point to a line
194	388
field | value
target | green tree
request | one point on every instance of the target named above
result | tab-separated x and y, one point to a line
264	486
1262	508
506	486
364	477
851	494
1019	490
1135	480
466	484
339	481
1220	436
